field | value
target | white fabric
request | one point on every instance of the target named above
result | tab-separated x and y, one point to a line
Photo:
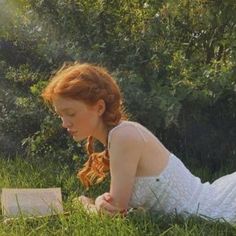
176	190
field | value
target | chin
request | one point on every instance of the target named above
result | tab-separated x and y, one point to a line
79	138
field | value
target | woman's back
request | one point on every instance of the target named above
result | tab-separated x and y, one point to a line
174	189
153	155
167	187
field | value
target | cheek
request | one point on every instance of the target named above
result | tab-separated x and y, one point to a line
92	119
87	120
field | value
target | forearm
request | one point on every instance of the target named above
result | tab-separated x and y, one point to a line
105	203
102	204
88	203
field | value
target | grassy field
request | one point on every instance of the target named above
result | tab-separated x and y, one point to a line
32	174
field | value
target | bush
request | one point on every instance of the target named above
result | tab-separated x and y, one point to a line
175	62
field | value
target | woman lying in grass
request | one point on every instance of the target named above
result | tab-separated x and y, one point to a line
143	172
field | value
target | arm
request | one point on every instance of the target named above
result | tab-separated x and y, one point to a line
102	204
87	202
125	151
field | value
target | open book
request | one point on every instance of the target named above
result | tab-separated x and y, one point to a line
31	202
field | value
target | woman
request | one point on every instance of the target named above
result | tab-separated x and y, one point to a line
143	172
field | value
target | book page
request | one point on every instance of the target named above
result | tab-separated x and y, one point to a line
31	202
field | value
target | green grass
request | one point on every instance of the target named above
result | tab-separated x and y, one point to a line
46	173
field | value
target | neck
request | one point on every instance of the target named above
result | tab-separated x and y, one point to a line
101	133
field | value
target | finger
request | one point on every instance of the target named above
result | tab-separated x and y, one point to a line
82	199
107	197
76	200
85	200
109	211
109	207
114	213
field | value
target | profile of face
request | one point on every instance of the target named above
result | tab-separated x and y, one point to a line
80	119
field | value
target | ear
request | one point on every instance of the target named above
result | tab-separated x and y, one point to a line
100	107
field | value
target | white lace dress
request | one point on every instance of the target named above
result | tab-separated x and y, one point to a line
177	190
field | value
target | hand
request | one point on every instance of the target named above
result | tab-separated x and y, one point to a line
87	202
103	204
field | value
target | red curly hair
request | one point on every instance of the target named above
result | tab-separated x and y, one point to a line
89	83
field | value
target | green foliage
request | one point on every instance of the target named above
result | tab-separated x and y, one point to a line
174	60
18	111
51	141
145	105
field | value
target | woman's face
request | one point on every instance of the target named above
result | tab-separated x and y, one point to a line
80	120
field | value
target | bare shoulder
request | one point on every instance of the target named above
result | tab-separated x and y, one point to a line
125	135
125	146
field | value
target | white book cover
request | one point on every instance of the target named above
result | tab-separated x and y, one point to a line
31	202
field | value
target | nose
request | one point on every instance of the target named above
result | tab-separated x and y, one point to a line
65	123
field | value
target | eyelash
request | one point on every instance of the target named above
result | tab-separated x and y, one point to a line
70	115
